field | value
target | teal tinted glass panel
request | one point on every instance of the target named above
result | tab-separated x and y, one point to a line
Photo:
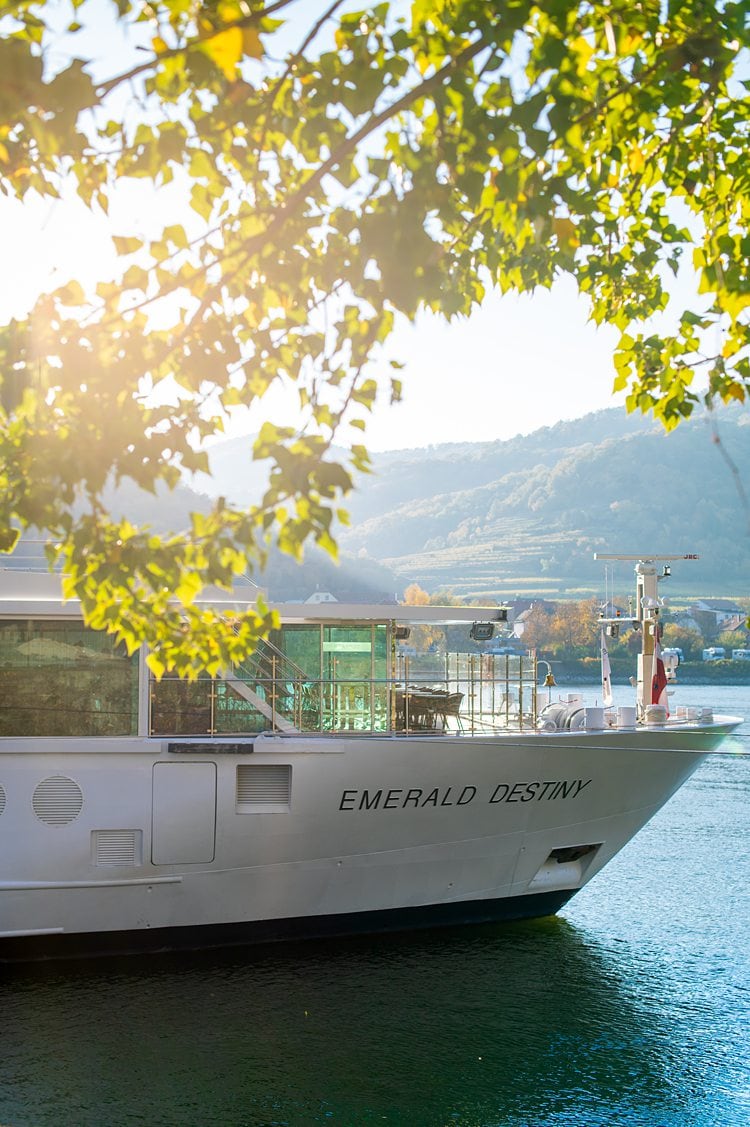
354	692
300	644
60	678
381	691
347	652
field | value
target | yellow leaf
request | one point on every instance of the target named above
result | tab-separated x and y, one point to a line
251	43
583	49
565	229
734	303
225	50
157	667
159	45
636	159
229	10
632	41
734	391
188	589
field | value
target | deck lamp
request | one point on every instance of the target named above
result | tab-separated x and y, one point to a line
481	631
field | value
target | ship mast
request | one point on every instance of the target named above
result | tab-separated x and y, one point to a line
646	618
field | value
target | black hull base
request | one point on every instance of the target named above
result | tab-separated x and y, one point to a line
31	948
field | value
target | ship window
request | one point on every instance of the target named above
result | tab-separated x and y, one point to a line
62	679
307	677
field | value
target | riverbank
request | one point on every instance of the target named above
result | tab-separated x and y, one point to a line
587	671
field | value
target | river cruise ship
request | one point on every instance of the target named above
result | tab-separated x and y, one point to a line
369	768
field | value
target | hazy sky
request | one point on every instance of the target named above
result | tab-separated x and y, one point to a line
518	363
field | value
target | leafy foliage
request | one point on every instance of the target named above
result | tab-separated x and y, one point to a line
385	163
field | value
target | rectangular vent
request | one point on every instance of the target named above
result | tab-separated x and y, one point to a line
117	847
264	788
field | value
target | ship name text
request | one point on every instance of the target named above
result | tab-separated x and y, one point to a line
402	798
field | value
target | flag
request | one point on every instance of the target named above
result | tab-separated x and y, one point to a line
659	680
606	675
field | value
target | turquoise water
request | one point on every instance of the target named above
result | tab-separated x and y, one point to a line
631	1007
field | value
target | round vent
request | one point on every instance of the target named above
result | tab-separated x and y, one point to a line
2	800
57	800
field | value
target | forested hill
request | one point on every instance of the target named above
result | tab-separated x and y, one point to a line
526	515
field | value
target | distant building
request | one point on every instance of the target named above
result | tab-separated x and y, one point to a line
723	609
714	615
686	621
321	597
519	624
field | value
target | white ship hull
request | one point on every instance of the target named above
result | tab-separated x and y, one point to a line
120	844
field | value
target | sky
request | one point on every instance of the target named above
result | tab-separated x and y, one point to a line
517	364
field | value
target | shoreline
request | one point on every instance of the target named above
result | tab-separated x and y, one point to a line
588	672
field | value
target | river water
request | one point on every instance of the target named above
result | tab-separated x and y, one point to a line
631	1007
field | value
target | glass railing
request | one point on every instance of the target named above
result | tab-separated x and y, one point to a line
460	693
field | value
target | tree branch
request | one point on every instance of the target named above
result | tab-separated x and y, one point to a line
196	41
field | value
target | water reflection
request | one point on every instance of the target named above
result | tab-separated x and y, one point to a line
531	1023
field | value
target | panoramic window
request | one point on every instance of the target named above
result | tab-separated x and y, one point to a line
62	679
306	677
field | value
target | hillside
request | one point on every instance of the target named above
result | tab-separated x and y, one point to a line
526	515
512	518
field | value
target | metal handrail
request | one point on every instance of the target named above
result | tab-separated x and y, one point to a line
472	699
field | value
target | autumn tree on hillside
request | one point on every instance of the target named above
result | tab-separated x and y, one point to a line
416	596
731	640
422	637
566	629
334	177
537	624
679	637
575	627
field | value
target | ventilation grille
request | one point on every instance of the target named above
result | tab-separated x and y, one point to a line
2	800
57	800
265	788
117	847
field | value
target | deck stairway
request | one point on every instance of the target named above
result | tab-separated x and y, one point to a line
269	681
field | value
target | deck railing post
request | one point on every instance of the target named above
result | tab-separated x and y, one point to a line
273	692
212	708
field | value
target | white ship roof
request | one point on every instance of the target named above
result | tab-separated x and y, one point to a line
39	593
